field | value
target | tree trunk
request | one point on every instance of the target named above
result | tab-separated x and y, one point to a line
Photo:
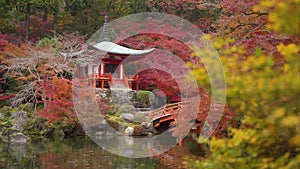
55	23
45	17
27	21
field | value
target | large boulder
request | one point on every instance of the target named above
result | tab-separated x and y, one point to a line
120	95
127	117
18	138
19	119
13	126
78	130
139	131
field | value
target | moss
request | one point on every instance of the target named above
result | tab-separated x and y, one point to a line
113	124
119	120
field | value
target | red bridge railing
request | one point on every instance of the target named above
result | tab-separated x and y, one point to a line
169	109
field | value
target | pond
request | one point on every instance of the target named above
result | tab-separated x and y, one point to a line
67	153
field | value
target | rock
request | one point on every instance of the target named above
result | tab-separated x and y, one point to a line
149	134
78	130
19	120
127	117
103	93
110	133
139	131
149	125
19	138
122	127
144	124
121	95
151	129
99	133
128	131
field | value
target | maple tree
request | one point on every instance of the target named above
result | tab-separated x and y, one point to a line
57	100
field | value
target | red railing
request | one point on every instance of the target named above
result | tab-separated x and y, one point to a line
169	109
102	79
130	82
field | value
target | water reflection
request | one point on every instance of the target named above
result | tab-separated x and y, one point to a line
68	153
136	147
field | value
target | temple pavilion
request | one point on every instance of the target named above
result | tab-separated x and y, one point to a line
110	72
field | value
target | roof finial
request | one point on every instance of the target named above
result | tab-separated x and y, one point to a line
105	19
105	32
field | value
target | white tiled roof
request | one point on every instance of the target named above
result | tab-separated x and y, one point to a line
113	48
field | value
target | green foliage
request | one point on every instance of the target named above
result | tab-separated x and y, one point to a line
146	98
50	43
139	118
126	108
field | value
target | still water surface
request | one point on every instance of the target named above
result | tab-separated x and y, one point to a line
68	153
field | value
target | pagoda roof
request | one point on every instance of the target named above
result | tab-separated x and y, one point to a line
112	48
104	44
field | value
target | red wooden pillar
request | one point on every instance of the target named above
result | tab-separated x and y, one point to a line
102	84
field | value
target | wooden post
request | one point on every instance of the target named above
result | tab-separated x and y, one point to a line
130	84
102	84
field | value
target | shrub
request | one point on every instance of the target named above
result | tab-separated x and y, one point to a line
139	118
126	108
146	98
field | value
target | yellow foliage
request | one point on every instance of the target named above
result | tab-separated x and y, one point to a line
284	15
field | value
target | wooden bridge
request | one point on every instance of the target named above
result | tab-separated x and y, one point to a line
166	113
162	118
